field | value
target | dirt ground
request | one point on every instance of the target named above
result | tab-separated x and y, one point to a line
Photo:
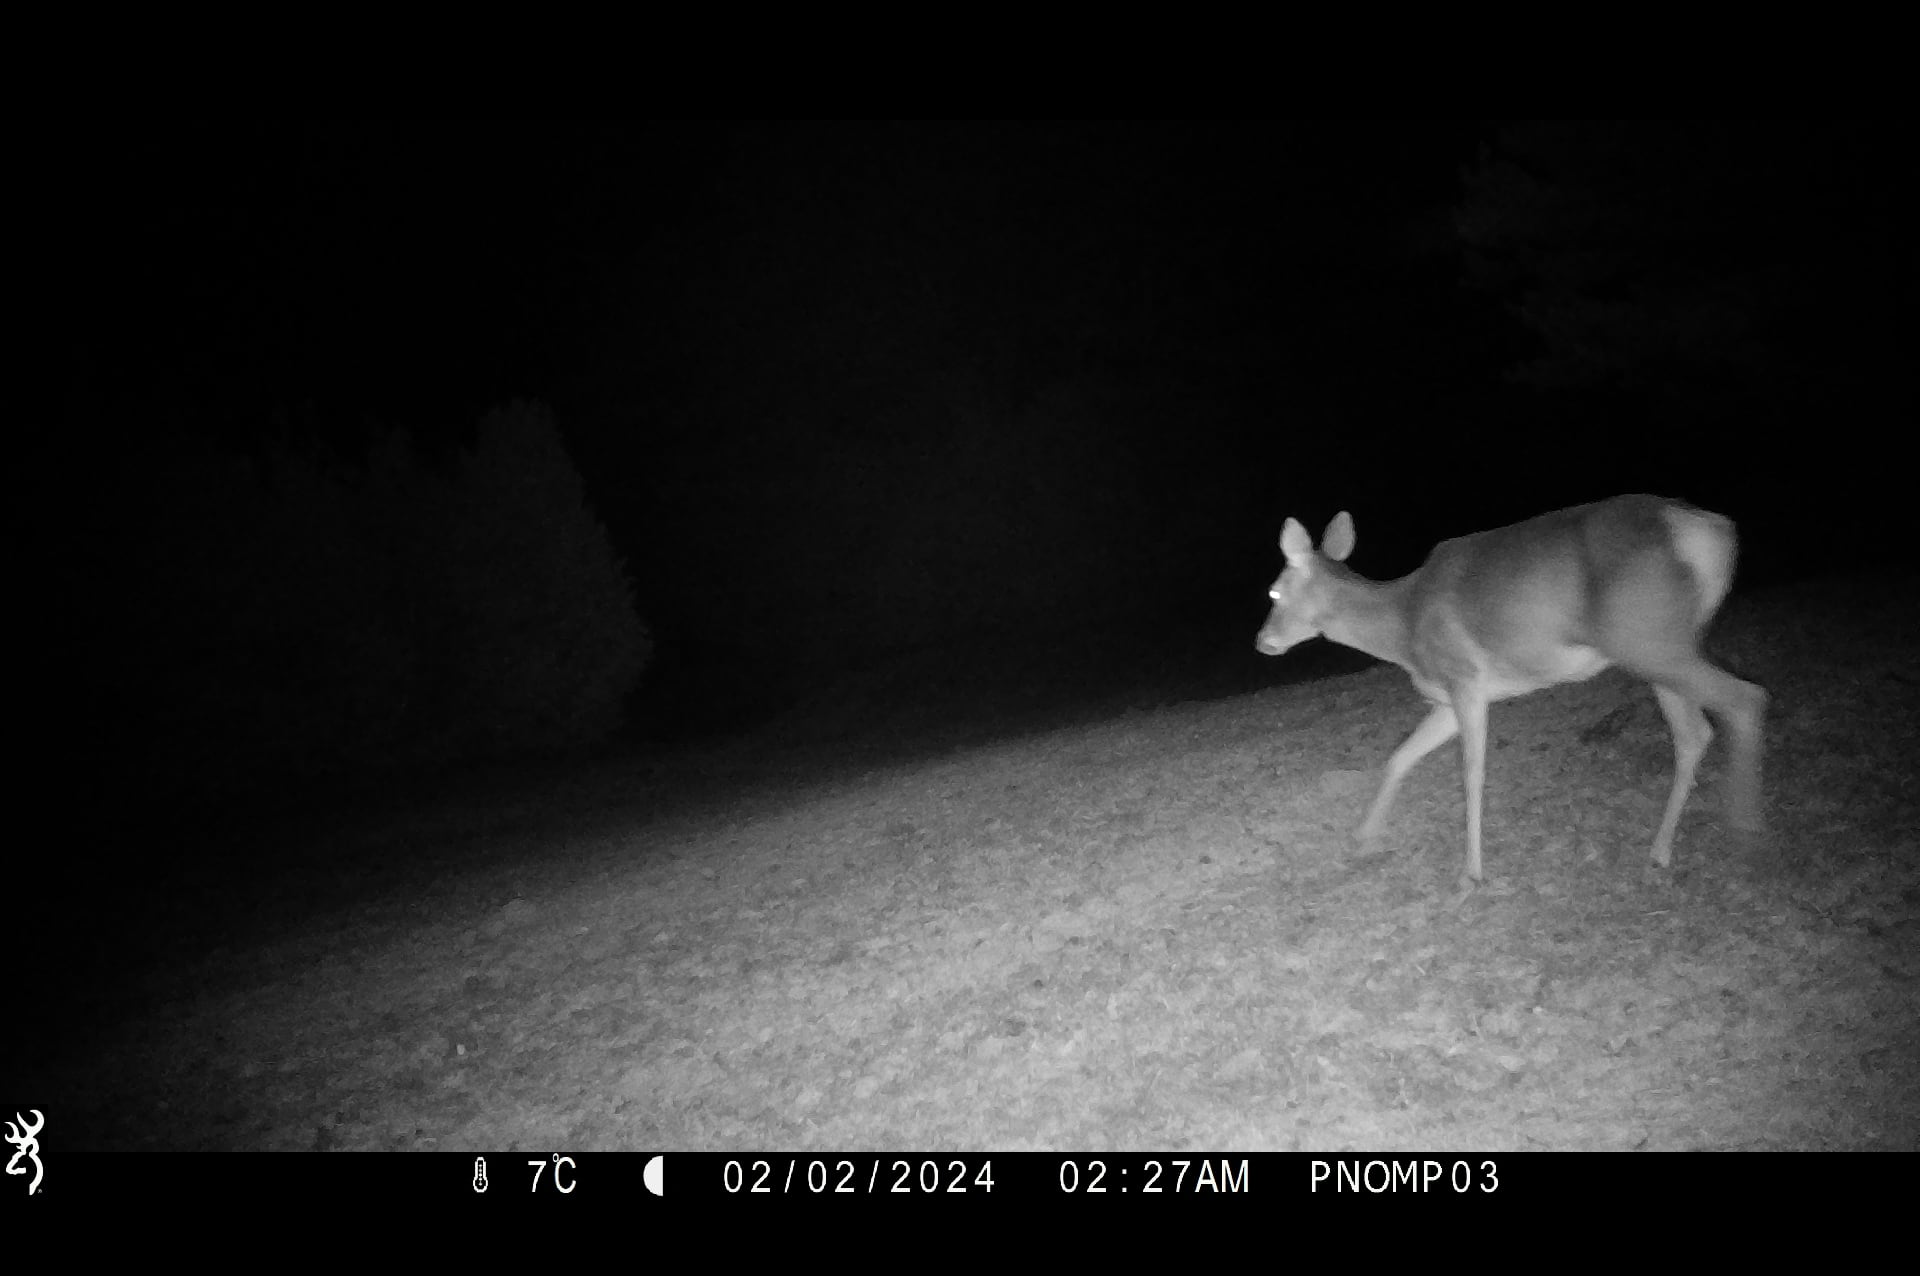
1141	929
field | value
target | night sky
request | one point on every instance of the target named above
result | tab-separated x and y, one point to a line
845	391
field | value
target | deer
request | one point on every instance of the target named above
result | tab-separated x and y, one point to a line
1632	581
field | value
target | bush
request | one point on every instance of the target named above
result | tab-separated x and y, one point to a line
297	617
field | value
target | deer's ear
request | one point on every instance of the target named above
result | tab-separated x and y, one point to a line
1338	542
1294	541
